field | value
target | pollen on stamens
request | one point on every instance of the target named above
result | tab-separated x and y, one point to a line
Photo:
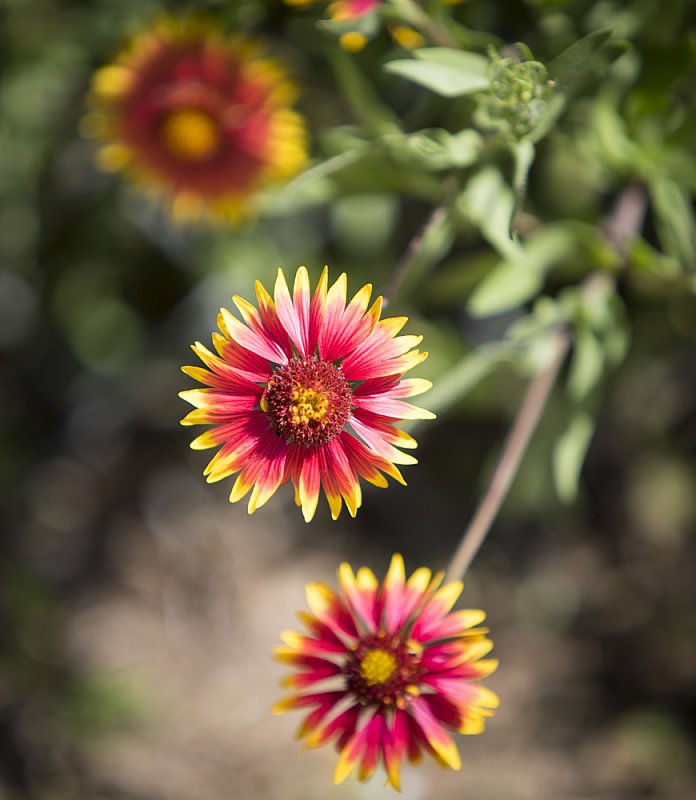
190	135
382	670
308	401
377	666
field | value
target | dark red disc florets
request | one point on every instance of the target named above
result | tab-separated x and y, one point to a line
308	401
384	670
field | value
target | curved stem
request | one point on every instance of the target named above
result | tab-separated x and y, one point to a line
437	218
515	446
412	250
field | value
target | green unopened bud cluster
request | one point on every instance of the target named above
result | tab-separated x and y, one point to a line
516	98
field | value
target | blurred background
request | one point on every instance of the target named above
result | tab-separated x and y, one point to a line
138	608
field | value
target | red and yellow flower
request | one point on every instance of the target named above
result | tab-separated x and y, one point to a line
386	672
197	116
358	10
306	388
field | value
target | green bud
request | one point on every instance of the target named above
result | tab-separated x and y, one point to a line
518	94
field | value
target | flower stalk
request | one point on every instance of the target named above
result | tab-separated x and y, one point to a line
524	425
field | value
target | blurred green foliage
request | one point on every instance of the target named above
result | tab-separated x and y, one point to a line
558	142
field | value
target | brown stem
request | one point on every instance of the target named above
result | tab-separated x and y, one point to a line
626	218
410	254
414	246
622	226
515	446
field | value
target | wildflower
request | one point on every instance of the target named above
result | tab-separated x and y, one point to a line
364	14
386	671
307	389
197	116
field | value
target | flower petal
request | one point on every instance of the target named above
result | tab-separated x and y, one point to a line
341	727
376	439
345	328
363	745
436	735
435	610
327	608
253	340
395	739
295	319
317	310
368	464
361	592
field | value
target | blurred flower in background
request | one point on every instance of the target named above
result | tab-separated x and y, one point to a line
289	380
197	116
357	21
403	665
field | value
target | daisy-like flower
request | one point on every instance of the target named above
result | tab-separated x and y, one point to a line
360	10
306	388
197	116
387	671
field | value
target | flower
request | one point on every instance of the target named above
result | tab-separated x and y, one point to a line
306	389
364	15
198	116
386	671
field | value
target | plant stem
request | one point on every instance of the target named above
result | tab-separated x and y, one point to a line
623	225
515	446
411	253
415	247
626	217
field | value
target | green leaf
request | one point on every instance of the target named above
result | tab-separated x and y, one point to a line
517	280
675	218
361	95
464	61
550	112
609	128
645	258
569	455
464	148
545	316
507	286
445	71
437	149
489	203
323	169
571	68
524	158
587	364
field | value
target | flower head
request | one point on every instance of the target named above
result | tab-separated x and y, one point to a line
200	117
308	389
386	671
360	21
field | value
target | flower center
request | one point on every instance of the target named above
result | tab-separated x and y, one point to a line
308	401
190	135
383	670
377	666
